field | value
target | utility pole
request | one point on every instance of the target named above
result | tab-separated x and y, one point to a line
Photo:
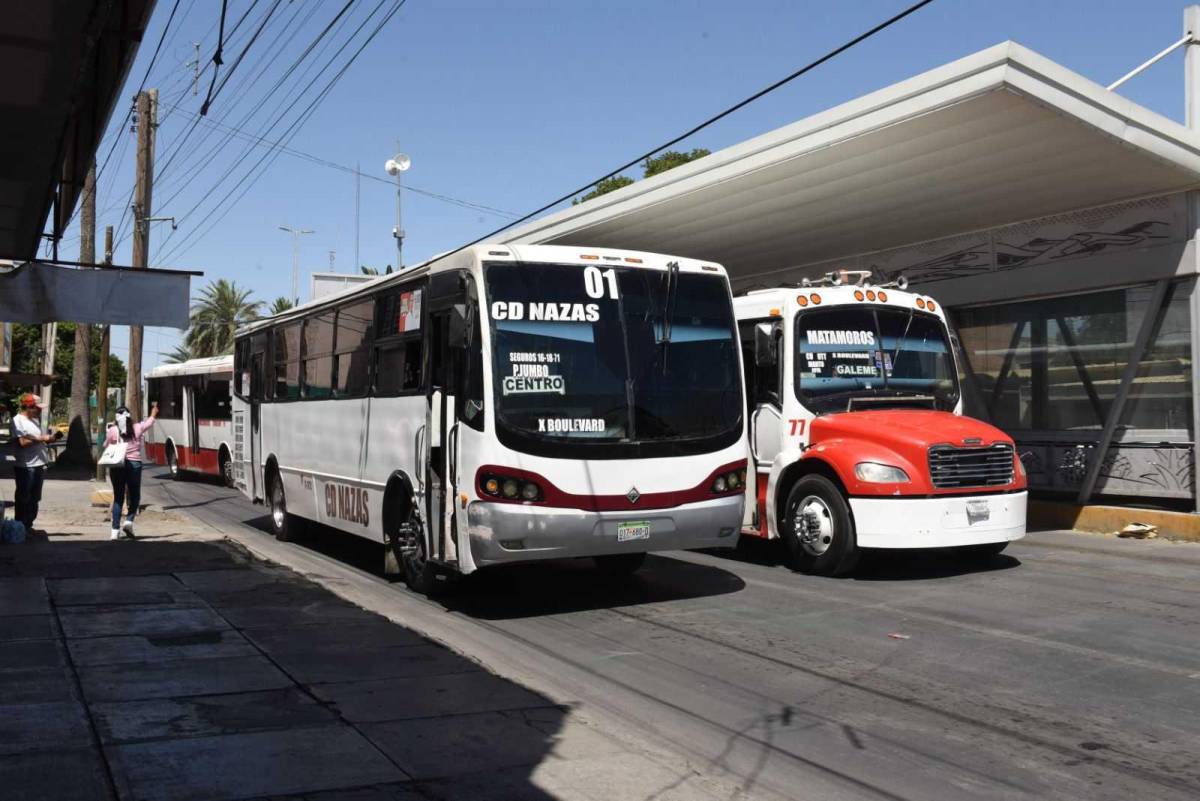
296	234
105	346
332	254
79	431
195	65
147	121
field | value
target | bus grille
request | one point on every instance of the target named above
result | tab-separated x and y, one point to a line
955	468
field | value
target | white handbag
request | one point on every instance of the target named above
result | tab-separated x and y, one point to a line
114	455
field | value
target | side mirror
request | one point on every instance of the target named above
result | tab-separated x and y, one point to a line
461	329
766	351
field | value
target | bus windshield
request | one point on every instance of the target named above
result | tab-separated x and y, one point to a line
584	366
885	354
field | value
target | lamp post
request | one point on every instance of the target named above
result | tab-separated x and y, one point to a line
296	234
396	165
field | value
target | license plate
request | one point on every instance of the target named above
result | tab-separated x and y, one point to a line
978	512
633	531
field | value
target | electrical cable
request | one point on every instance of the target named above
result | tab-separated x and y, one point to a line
697	128
217	61
237	61
288	133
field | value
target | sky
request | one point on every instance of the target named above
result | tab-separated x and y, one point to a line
504	106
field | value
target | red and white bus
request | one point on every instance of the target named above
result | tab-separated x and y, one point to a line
502	404
194	430
856	428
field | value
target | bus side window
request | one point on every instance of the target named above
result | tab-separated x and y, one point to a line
762	382
352	349
397	368
287	362
318	356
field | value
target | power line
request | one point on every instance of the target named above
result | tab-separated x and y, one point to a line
292	129
697	128
237	61
217	61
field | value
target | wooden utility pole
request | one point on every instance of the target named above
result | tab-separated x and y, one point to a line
147	122
79	431
102	379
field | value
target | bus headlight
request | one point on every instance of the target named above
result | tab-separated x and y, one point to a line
877	473
510	488
719	484
530	491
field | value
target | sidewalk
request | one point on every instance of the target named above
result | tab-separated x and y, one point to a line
180	667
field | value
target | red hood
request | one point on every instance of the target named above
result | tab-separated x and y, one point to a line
901	438
906	428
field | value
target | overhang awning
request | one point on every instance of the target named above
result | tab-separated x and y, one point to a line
1001	136
63	62
41	293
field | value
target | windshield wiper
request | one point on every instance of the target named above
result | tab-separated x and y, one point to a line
669	310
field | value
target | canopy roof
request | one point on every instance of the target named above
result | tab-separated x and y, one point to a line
1000	136
63	63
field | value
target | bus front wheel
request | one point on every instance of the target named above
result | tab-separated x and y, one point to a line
172	462
817	528
408	544
225	465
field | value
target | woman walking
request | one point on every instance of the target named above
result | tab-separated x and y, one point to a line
127	478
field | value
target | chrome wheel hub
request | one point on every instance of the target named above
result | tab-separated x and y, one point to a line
813	525
278	511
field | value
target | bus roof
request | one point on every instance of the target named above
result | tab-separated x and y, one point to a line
214	364
487	251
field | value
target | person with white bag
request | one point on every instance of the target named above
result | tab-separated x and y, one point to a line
123	454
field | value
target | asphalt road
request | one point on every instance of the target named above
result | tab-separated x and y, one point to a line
1069	667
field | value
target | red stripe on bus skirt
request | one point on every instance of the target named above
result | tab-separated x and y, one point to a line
555	497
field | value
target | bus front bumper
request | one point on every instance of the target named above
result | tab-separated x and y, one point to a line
503	533
938	522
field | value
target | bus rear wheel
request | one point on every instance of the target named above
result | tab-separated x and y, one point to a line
172	462
817	528
619	564
283	524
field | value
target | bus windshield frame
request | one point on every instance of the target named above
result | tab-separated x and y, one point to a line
891	355
583	366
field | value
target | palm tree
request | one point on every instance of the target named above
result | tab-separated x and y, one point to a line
180	354
281	305
221	307
374	270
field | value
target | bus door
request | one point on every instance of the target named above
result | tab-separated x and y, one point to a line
761	349
445	339
185	451
254	472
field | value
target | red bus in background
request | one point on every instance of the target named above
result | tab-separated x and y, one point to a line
194	429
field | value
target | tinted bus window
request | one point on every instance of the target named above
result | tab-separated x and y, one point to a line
287	362
355	326
318	356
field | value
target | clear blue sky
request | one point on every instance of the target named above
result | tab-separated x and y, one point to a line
509	104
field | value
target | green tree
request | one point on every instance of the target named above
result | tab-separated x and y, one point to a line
27	358
180	354
281	305
220	308
604	187
375	270
669	160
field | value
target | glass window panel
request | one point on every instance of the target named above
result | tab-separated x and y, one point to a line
354	325
318	335
318	373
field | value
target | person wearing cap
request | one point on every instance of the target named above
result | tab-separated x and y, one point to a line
31	458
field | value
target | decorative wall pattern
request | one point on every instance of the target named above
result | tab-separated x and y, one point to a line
1156	471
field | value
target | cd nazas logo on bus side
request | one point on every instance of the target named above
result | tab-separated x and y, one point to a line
347	503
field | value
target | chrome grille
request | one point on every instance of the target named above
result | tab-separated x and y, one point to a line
955	468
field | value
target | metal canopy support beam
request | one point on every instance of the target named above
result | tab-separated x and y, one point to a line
1002	376
1081	368
1153	311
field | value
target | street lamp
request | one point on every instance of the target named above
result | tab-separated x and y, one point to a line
395	165
296	234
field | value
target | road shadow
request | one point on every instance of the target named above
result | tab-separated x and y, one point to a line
902	564
216	658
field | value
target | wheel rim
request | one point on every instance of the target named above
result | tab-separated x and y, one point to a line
812	523
172	462
227	471
416	559
278	506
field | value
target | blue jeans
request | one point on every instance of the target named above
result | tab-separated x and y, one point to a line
29	494
126	479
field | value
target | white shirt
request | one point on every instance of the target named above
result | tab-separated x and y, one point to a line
34	455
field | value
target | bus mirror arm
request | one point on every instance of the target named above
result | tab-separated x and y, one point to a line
765	344
419	458
461	329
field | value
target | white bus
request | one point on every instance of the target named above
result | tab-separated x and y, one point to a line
193	431
502	404
857	431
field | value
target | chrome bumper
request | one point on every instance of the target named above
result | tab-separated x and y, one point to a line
502	533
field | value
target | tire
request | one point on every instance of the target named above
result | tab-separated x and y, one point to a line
817	528
284	525
619	565
225	468
173	462
420	574
983	552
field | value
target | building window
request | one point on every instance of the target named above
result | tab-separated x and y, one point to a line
1056	364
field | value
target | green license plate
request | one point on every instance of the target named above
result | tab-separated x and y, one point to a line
633	531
